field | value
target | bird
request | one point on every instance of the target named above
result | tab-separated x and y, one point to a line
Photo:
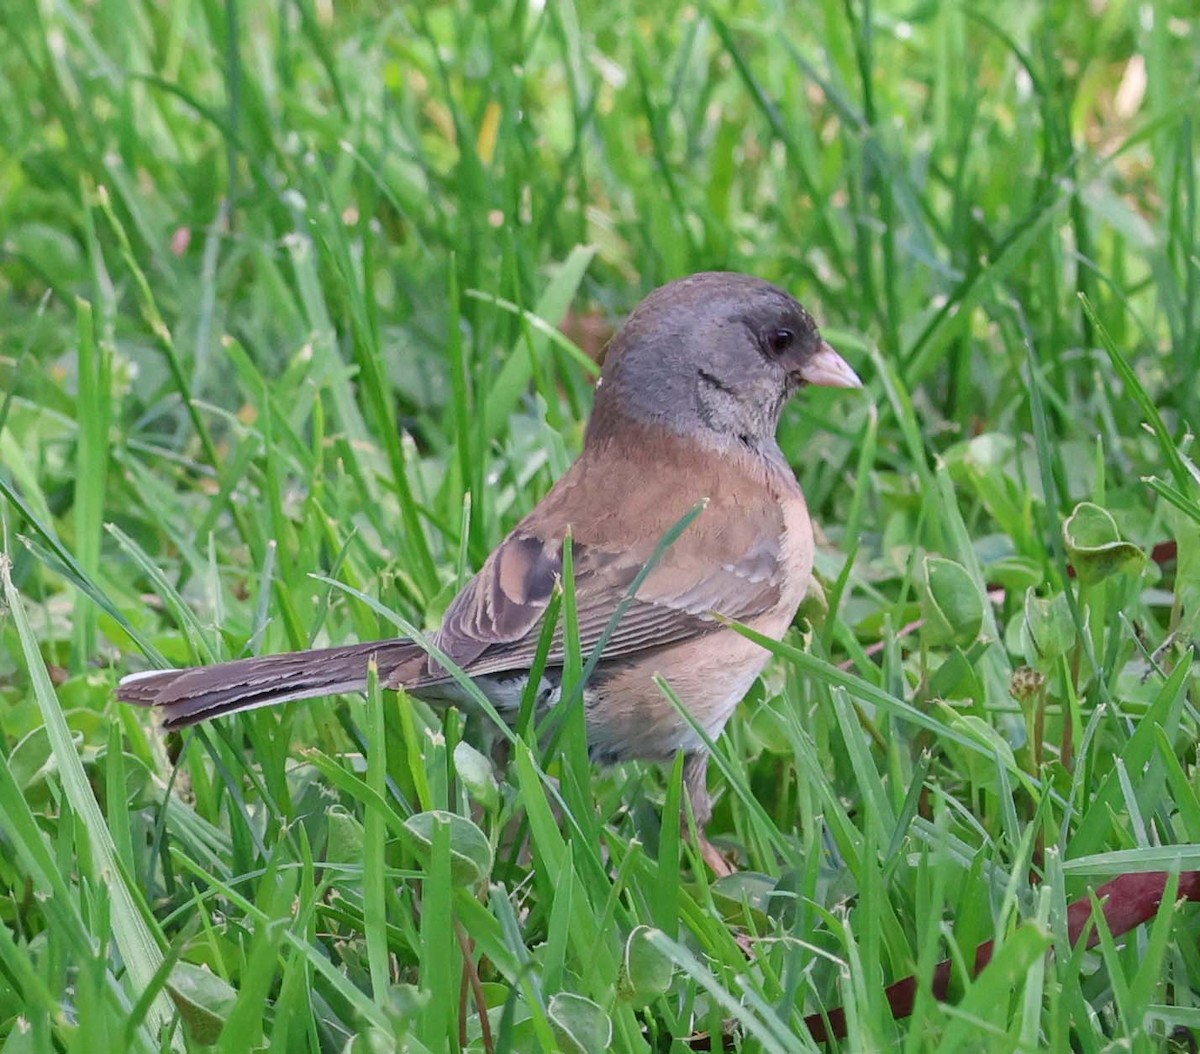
684	417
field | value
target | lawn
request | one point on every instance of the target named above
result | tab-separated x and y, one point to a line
299	307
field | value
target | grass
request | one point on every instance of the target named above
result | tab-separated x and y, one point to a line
281	288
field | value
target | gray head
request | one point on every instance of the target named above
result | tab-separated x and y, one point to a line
716	353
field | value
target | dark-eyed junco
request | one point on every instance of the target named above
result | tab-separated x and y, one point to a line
686	410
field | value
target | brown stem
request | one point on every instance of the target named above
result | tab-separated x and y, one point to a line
471	976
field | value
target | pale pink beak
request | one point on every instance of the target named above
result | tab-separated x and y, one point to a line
829	370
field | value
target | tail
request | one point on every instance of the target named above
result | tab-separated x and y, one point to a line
185	697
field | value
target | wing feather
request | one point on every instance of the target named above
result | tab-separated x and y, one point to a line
495	622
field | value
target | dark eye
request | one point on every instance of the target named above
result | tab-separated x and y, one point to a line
779	340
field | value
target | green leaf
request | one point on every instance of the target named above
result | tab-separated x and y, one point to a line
1136	861
955	678
405	1004
204	1000
1049	624
1015	572
470	852
31	759
742	890
987	735
477	775
579	1024
1095	547
951	604
344	841
645	971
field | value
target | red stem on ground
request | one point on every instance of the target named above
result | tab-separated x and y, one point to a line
1127	901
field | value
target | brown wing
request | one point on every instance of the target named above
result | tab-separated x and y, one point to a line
727	561
496	621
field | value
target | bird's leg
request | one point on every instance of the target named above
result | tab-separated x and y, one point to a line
695	783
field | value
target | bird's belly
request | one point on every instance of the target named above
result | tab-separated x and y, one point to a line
796	557
629	716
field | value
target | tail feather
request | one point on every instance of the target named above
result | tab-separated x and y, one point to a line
185	697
